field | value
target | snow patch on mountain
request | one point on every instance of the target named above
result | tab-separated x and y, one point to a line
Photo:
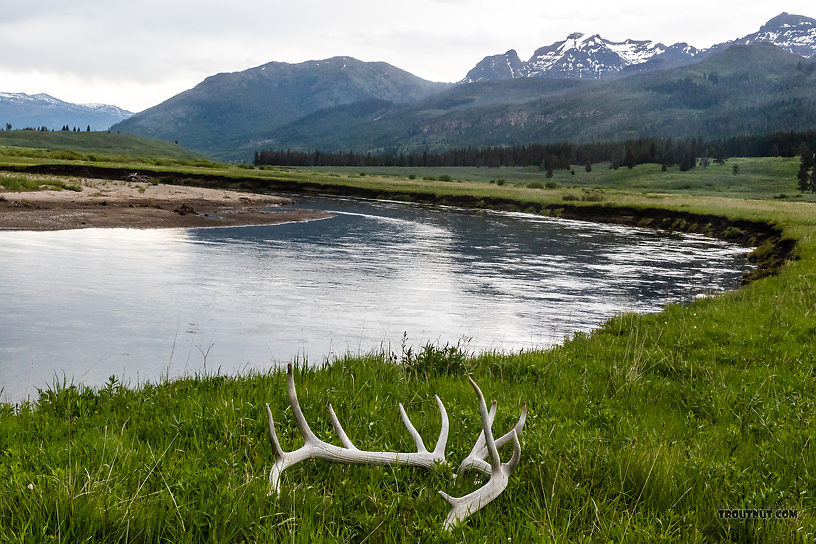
22	110
793	33
583	56
578	56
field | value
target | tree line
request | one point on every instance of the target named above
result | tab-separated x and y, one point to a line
65	128
665	151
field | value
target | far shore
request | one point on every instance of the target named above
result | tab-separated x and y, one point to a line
138	203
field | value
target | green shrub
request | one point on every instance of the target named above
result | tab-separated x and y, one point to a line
67	155
433	360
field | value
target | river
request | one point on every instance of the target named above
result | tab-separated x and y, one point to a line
82	305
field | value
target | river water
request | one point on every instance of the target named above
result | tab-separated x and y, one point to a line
83	305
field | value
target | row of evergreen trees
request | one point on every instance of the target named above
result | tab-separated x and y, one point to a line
665	151
65	128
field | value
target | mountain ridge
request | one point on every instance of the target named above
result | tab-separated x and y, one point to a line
744	89
584	56
22	110
272	95
343	103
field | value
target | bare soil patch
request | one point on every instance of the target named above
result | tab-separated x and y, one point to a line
140	204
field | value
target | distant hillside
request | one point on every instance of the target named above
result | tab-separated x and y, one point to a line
102	143
41	110
239	105
753	89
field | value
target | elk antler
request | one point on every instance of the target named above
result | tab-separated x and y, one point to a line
314	448
463	507
476	458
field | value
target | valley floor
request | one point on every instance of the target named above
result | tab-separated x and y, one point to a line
645	430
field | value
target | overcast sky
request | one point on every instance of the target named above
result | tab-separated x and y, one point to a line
138	54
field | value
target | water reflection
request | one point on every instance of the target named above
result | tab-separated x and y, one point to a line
142	304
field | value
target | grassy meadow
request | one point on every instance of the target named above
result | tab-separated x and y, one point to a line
638	432
756	177
33	147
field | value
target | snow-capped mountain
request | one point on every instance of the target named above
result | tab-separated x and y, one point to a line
793	33
579	56
22	110
589	57
582	56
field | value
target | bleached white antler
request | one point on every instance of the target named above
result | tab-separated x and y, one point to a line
476	458
314	448
462	507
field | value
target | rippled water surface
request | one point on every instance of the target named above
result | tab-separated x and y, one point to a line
141	304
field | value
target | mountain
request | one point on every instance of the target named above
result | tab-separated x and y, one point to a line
581	56
592	57
42	110
239	105
507	66
744	89
583	88
793	33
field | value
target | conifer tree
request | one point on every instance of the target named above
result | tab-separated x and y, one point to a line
804	179
630	159
805	166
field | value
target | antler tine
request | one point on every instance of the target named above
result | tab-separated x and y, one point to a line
300	419
475	460
480	442
462	507
314	448
420	445
441	443
487	424
344	439
273	436
514	460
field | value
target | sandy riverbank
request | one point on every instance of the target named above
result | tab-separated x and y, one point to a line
140	204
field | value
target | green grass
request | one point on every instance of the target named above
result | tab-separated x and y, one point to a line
758	178
93	146
637	432
26	183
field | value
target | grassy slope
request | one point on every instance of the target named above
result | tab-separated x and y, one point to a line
99	143
637	432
